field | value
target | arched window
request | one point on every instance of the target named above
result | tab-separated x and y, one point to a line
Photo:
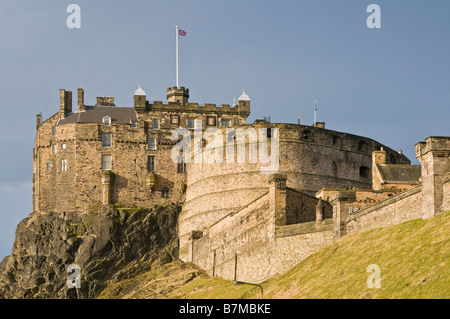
364	172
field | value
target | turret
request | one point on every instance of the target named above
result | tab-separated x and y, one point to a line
244	103
180	95
139	99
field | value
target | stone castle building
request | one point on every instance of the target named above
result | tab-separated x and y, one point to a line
236	222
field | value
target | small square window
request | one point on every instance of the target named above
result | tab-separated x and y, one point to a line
152	143
226	122
63	146
174	119
133	124
191	123
211	121
49	165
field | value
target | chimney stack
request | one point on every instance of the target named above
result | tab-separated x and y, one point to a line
38	120
65	103
81	106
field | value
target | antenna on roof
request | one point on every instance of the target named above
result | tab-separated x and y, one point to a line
315	112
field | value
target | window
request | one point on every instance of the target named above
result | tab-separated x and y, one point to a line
152	143
191	123
364	172
165	192
107	121
306	135
226	122
211	121
54	149
133	124
106	139
49	165
151	163
181	165
174	119
63	146
156	124
106	162
64	165
362	146
53	130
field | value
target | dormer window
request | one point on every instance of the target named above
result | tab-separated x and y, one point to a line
106	121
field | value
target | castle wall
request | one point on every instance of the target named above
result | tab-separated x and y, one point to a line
446	193
248	234
78	188
310	157
395	210
300	207
295	243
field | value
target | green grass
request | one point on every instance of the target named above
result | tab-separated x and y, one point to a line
413	257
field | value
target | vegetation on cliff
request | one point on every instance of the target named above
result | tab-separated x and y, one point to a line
108	245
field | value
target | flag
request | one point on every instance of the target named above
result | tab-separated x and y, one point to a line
181	32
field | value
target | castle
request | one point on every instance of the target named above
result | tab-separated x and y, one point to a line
236	222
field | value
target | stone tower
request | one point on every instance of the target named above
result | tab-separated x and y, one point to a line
139	99
434	156
178	95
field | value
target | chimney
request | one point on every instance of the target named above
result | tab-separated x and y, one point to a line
81	106
65	103
379	157
38	120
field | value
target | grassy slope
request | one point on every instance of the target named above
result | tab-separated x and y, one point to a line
414	258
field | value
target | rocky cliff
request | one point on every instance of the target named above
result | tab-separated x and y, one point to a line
108	245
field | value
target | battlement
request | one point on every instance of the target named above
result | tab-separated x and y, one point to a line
432	144
178	94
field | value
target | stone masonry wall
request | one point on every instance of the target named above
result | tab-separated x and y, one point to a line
397	209
248	234
310	157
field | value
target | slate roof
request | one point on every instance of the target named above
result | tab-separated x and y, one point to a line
399	173
95	114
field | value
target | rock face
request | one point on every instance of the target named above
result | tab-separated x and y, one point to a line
107	246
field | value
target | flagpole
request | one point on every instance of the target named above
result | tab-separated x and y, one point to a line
176	31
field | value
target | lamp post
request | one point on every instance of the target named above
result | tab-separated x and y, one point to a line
248	283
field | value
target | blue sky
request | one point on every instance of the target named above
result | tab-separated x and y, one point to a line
390	84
